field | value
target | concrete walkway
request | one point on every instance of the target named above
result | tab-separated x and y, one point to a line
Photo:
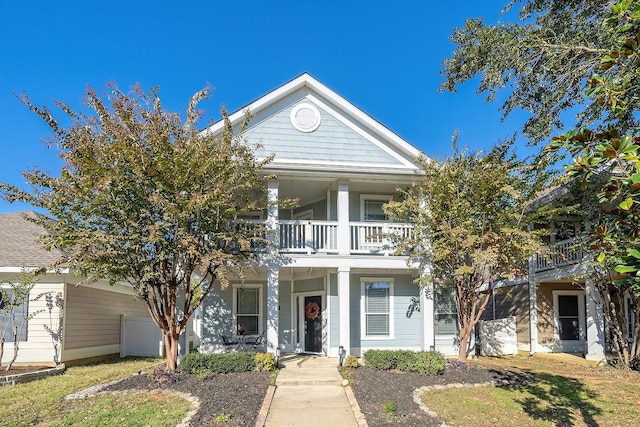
309	392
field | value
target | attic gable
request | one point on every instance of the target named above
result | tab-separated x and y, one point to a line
306	125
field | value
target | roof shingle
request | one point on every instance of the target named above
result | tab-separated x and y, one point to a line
20	245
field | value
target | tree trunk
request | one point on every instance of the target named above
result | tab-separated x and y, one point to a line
171	349
1	350
465	334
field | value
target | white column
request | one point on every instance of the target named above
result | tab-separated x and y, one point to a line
344	234
427	315
595	324
344	308
533	309
272	269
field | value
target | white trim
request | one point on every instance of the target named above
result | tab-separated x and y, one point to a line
306	80
363	324
569	345
260	288
370	138
300	325
32	269
316	115
376	197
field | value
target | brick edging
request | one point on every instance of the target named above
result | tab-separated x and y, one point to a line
355	407
266	405
30	376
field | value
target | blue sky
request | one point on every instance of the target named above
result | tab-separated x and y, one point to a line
383	56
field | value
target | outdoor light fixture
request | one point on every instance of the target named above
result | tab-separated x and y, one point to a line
341	353
277	358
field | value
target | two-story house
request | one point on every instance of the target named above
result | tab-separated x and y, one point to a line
556	308
338	282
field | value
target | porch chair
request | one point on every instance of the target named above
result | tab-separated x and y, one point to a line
229	343
256	341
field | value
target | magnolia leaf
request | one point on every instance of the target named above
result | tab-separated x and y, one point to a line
626	204
625	268
634	253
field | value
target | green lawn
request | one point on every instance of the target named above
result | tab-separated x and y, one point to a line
559	394
42	401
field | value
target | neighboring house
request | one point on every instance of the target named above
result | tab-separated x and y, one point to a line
338	283
557	309
72	322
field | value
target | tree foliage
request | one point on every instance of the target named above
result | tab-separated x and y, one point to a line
146	198
541	62
610	154
471	213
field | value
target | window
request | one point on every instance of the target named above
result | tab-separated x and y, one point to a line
445	312
371	207
247	309
12	321
568	319
631	319
569	308
377	303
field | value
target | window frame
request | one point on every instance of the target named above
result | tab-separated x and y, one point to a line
24	307
452	286
385	198
234	312
363	314
582	327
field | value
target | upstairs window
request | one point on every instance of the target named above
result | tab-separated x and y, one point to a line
371	207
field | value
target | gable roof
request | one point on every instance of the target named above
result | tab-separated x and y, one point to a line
20	245
344	137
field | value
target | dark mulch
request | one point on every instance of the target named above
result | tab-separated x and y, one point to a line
238	394
242	394
375	388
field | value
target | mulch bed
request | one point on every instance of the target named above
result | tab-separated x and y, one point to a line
242	394
373	389
238	394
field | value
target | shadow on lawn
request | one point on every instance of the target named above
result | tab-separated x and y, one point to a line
556	399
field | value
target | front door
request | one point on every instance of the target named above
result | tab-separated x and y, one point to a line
313	324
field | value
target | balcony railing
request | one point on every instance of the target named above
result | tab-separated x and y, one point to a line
322	236
561	253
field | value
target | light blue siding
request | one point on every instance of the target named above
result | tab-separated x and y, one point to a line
406	329
284	318
309	285
334	331
217	315
333	141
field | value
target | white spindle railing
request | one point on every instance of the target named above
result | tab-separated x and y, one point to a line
308	236
376	238
560	253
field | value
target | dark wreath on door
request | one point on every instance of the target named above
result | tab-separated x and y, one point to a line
313	324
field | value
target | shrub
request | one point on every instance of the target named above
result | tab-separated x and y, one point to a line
382	360
428	362
199	364
194	363
350	362
264	362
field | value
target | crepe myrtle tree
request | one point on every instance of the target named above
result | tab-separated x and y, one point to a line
146	198
471	213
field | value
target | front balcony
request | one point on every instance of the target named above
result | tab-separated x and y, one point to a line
561	254
365	238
